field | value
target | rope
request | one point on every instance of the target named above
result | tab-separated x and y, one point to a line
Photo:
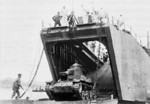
36	57
34	74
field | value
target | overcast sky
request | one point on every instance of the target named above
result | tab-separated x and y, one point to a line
21	23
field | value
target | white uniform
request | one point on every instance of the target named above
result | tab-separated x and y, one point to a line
120	23
64	17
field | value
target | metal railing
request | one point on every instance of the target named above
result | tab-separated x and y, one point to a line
128	29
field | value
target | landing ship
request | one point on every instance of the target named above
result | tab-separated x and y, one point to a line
80	76
123	75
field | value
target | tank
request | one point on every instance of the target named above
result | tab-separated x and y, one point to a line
72	85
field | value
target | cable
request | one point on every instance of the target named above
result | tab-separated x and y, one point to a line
34	64
34	74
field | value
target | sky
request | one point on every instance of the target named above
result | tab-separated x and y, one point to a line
21	23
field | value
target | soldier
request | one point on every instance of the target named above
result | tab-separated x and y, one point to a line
120	23
71	20
64	14
57	19
90	17
16	86
103	16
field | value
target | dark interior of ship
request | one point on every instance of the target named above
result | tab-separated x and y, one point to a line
63	54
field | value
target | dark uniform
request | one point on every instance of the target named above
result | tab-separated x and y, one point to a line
57	19
16	86
71	20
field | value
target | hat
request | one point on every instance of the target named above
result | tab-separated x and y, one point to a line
19	74
72	12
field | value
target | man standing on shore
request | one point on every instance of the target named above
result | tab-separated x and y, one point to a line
16	86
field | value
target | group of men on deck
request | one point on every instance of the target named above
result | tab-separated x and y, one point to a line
87	16
70	19
92	17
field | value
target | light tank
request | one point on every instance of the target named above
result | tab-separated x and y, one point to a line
72	85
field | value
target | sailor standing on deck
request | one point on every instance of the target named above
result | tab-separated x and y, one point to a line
16	86
71	20
103	16
64	14
57	19
120	23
